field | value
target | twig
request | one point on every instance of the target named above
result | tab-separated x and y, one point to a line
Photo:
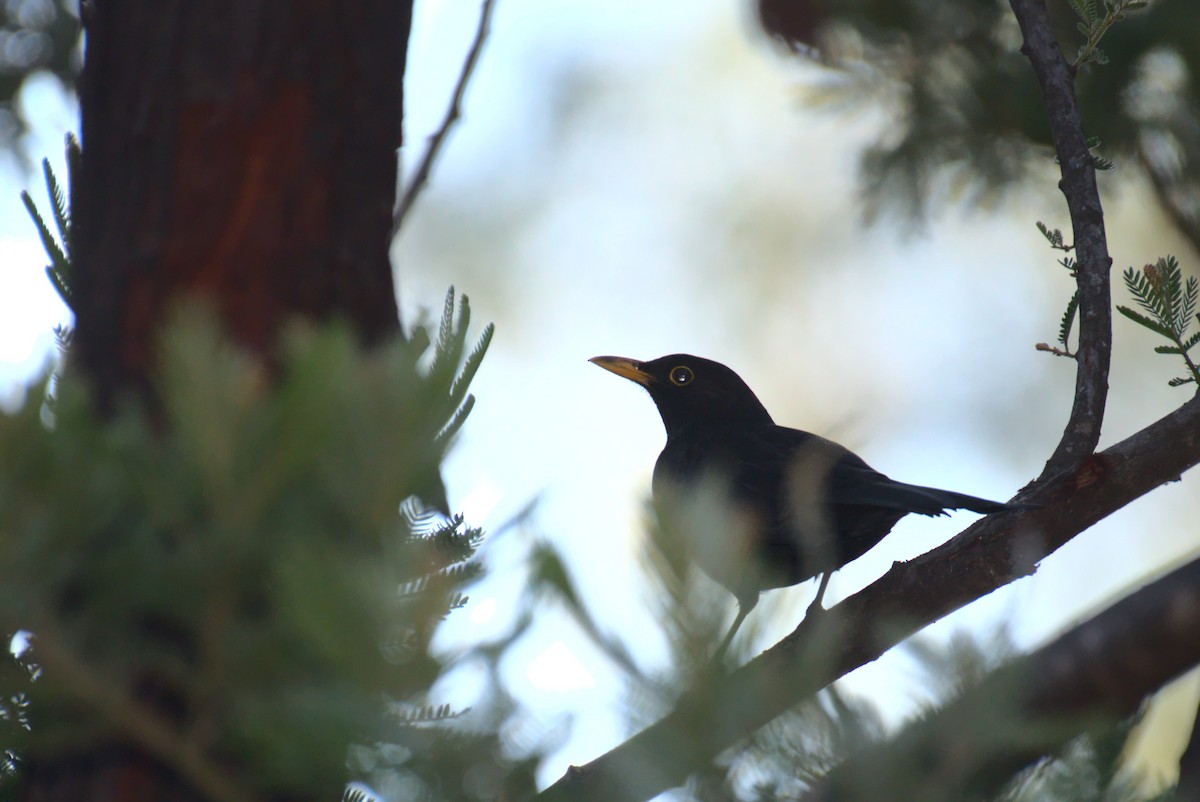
132	718
1078	186
453	112
1093	676
994	552
910	596
1050	349
1096	29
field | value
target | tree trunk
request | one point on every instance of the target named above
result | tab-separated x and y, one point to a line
243	151
239	151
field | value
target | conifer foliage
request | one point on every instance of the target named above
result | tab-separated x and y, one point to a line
234	589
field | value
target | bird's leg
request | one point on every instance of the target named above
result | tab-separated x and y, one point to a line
744	608
816	608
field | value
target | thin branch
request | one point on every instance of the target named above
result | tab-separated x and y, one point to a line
133	719
453	112
1078	186
1047	347
1076	488
990	554
1090	678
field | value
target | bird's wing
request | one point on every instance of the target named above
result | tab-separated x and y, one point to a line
849	480
930	500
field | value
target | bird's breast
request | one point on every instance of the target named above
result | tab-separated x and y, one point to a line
752	505
701	504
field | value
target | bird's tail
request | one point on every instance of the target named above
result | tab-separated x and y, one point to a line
932	501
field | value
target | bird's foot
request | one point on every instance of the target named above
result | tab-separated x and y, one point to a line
815	610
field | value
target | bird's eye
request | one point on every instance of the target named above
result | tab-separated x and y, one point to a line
681	376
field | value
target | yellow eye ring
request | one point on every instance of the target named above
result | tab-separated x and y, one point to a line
681	375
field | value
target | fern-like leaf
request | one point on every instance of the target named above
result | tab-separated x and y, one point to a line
59	203
446	327
1086	10
456	422
58	250
1068	319
427	714
471	366
48	242
1170	301
1191	293
448	348
1170	286
1053	235
1144	291
357	795
448	353
1142	320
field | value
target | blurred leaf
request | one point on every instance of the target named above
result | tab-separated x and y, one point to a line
248	558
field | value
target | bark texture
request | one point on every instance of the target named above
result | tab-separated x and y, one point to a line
243	151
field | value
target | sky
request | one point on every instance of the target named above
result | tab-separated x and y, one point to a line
629	179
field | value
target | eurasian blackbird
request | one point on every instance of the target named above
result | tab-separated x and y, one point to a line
767	506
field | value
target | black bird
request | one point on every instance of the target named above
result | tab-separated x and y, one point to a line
789	505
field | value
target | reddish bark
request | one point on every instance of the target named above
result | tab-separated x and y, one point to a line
243	151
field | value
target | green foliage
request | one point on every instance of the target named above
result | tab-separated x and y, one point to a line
1098	162
1055	238
1089	769
950	668
965	120
783	760
796	750
1094	25
231	583
59	250
1068	320
16	675
1169	305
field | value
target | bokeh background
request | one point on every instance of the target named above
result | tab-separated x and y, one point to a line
639	179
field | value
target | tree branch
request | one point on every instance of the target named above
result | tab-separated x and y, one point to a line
453	112
1091	677
1078	186
988	555
1078	488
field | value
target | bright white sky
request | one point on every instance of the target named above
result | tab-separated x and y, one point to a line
29	306
642	178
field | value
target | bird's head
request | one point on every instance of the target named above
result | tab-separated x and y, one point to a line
688	389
